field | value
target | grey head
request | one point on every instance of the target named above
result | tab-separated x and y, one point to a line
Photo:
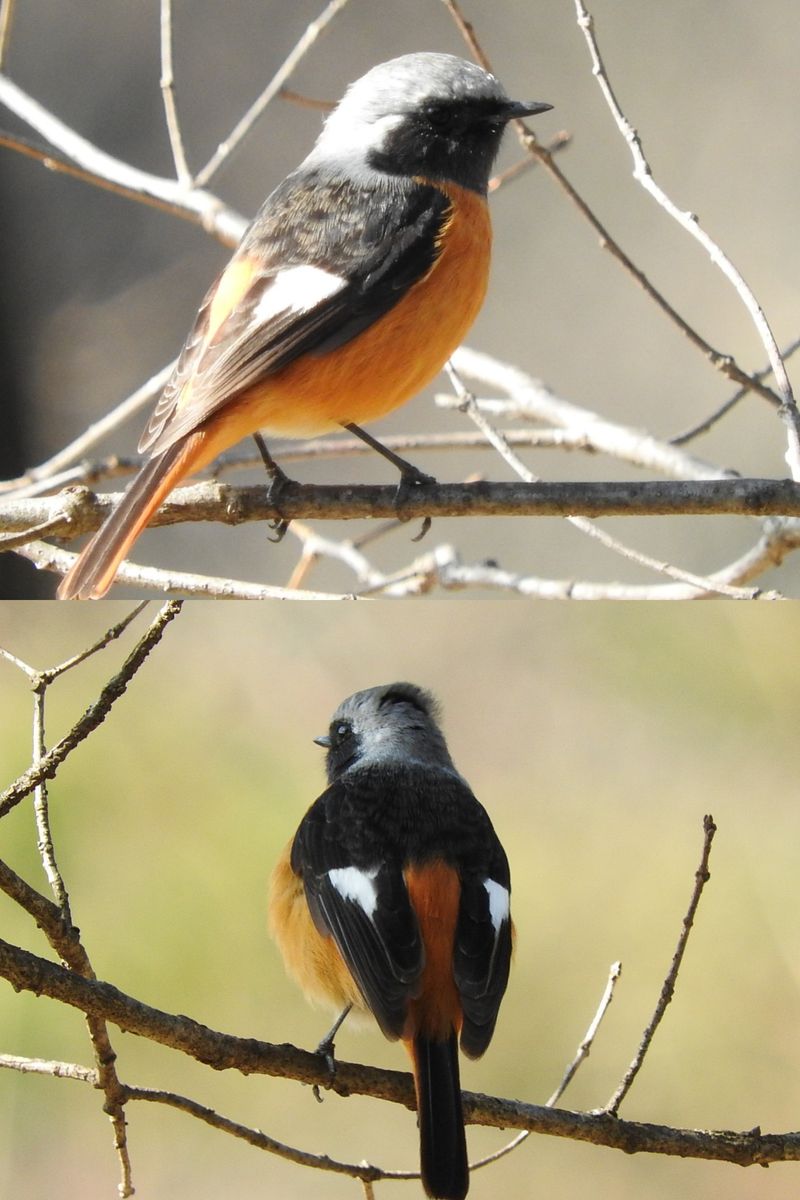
394	725
425	115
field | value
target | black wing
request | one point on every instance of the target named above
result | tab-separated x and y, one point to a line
484	935
380	941
379	240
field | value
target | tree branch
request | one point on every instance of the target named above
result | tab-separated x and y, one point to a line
94	715
249	1056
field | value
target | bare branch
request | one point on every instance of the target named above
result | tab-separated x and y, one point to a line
249	1056
469	405
105	171
702	875
168	95
83	512
262	1141
723	362
585	1046
642	173
43	1066
681	439
243	127
90	437
94	715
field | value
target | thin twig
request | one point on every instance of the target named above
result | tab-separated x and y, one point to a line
530	399
65	940
469	405
94	715
585	1046
582	1054
304	1158
168	96
105	171
722	362
290	64
41	810
688	221
6	21
111	634
43	1066
702	875
90	437
688	435
306	101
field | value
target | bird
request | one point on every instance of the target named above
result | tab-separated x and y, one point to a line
394	897
360	274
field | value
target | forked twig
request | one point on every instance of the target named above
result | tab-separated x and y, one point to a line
94	715
702	876
688	221
273	88
168	95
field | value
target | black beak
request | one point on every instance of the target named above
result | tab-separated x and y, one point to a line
525	108
323	741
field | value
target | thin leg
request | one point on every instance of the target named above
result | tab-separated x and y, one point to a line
326	1048
409	472
410	476
277	482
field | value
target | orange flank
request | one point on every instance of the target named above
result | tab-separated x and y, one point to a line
358	382
312	960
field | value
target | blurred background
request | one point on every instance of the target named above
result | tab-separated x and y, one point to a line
597	737
101	291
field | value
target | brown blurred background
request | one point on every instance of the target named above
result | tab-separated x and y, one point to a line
597	736
100	291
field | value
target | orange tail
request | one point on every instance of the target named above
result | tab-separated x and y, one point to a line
93	573
442	1144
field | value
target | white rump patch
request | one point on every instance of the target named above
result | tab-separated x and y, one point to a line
499	906
356	885
297	289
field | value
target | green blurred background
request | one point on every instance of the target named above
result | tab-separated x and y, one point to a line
105	289
597	736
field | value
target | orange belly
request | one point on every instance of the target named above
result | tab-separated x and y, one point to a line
385	365
312	960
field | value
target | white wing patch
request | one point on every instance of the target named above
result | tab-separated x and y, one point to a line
356	885
297	289
499	903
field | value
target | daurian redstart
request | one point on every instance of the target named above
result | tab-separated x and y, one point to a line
357	279
393	896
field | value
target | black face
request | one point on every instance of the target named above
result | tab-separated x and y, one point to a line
342	747
454	141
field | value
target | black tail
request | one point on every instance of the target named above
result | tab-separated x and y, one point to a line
442	1144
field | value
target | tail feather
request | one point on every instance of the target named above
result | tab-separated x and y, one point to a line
93	572
443	1147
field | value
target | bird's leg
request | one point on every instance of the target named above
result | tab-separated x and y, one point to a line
410	476
278	480
326	1047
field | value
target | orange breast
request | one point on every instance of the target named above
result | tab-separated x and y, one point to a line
391	360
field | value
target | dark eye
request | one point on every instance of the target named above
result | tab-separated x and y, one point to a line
340	732
444	121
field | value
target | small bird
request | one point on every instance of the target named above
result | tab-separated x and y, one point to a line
394	897
357	279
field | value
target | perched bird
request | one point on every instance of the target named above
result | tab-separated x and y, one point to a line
357	279
394	896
